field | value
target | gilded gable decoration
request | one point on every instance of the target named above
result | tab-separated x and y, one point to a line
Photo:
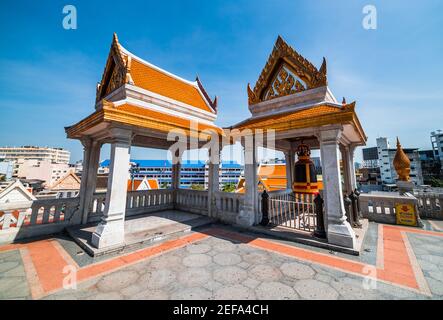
285	83
117	71
286	72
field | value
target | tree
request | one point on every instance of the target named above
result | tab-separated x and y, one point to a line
197	187
229	187
164	185
436	183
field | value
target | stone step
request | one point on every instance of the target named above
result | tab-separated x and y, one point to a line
138	239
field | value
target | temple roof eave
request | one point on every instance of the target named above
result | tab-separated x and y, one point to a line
132	116
316	117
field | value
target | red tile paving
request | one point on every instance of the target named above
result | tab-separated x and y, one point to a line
46	259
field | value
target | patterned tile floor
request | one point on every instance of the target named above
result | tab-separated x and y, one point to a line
221	262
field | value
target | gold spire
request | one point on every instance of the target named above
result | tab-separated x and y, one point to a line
401	163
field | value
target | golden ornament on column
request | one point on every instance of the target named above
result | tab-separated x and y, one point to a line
402	164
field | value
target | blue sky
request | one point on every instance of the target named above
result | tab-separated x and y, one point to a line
48	74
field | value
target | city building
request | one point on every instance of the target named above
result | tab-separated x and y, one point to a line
437	144
430	166
45	170
229	173
382	157
6	169
370	157
55	155
193	172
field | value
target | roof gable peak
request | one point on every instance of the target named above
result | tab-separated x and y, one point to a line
286	72
117	70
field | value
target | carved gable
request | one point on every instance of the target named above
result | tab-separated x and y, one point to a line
116	71
286	72
284	83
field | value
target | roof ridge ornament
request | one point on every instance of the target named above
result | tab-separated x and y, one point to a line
212	103
116	72
323	69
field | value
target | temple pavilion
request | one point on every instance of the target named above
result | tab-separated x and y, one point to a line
292	98
139	104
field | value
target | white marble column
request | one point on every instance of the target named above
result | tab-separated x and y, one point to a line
213	181
78	216
110	231
290	164
344	150
91	178
175	176
249	214
339	231
353	177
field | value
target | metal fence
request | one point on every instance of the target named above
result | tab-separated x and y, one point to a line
294	214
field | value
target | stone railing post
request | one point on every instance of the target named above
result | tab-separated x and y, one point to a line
265	208
320	227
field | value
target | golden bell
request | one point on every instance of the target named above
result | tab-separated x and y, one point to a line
305	176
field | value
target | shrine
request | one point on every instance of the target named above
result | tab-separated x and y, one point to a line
139	104
291	97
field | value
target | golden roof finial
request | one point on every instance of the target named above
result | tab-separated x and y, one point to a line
114	37
402	164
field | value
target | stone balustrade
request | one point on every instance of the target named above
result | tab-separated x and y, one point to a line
430	204
228	205
137	202
380	206
195	201
26	219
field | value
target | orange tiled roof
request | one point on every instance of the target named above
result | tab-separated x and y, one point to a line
138	116
289	116
159	116
272	177
272	171
163	84
137	183
153	183
312	117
